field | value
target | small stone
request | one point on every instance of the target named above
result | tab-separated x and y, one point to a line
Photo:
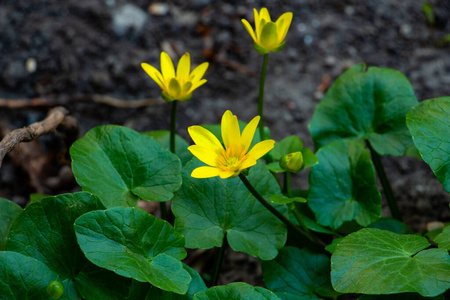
31	65
159	9
128	17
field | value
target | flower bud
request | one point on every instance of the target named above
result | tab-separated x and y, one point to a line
55	289
292	162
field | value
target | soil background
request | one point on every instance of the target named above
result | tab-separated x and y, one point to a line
65	52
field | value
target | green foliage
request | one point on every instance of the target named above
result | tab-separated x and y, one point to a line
297	273
233	291
8	213
120	166
163	137
343	186
366	103
443	238
134	244
374	261
208	209
429	123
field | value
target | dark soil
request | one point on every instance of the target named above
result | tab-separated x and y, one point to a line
54	49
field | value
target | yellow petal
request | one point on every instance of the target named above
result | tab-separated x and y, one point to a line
197	84
203	137
154	74
257	22
184	67
249	132
264	14
249	29
206	155
198	72
226	174
205	172
231	134
269	36
167	68
174	88
260	149
249	162
283	23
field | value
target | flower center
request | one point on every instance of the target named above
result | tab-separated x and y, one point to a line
231	158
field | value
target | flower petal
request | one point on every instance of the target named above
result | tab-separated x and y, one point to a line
197	84
249	132
154	74
249	162
203	137
257	22
174	88
167	68
269	36
184	67
249	29
264	14
283	23
198	72
205	172
260	149
206	155
231	134
226	174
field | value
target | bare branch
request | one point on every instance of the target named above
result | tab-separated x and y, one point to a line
32	132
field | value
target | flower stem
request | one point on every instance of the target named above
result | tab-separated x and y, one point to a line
298	216
173	125
387	189
261	97
218	261
274	211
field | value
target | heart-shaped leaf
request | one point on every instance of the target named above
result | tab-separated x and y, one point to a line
403	296
44	230
297	273
343	185
163	137
236	290
121	166
443	238
366	104
391	225
207	209
429	123
8	213
24	277
134	244
287	145
374	261
197	285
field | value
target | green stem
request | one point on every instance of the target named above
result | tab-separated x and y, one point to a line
163	209
261	97
287	184
387	189
273	210
298	216
173	125
218	261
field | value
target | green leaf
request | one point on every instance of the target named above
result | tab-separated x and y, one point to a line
163	137
44	230
331	247
97	283
403	296
8	213
374	261
23	277
366	104
391	225
297	272
236	290
196	285
443	238
287	145
275	167
207	209
120	166
429	123
309	158
134	244
281	199
343	185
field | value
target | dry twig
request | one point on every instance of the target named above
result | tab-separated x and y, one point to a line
32	132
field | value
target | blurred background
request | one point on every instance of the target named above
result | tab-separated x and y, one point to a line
86	56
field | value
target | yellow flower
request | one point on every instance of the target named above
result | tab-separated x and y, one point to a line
268	36
230	160
179	85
